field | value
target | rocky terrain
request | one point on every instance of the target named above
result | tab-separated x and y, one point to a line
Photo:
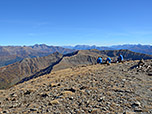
122	88
34	67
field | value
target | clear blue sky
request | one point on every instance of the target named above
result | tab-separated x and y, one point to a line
72	22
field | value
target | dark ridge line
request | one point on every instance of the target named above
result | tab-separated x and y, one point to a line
71	54
47	70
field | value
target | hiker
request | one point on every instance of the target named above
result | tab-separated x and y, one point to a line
141	63
120	58
108	60
99	60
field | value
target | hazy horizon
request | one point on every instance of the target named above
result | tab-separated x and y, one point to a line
77	45
64	23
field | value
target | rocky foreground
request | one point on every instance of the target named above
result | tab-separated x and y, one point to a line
123	88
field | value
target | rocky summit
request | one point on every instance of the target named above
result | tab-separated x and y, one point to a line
119	88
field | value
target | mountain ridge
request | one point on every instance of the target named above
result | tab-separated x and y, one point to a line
13	73
12	54
30	68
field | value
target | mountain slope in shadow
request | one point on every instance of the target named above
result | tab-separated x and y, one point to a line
11	74
34	67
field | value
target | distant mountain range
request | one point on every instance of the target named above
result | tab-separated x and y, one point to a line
30	68
12	54
86	47
146	49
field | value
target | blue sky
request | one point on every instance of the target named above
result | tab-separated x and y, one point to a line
72	22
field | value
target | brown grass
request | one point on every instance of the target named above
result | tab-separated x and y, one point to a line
55	102
68	93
